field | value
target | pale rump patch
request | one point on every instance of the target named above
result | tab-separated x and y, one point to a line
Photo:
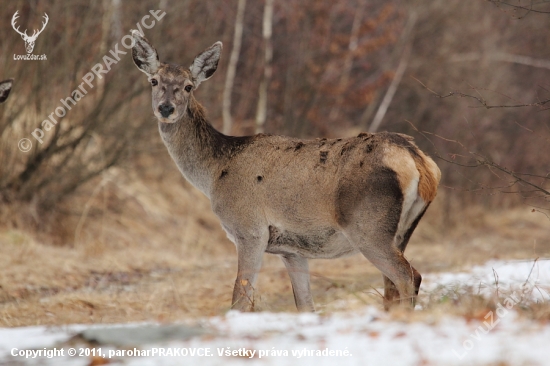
413	205
418	178
400	161
429	172
429	176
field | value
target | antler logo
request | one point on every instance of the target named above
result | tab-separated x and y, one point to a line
29	40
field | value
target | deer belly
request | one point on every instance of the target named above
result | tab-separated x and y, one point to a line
319	243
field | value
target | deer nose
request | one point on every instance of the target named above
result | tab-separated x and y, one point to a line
166	110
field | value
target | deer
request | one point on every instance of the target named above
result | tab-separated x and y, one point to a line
297	198
29	40
5	88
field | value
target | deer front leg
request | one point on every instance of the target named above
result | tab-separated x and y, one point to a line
298	271
250	251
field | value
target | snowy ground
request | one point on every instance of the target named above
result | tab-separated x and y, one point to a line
366	337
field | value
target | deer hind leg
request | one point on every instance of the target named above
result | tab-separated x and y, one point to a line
376	214
375	241
372	229
298	271
399	272
250	250
391	295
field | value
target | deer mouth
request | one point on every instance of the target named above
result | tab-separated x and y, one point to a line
169	119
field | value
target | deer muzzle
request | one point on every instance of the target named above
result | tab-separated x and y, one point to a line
166	110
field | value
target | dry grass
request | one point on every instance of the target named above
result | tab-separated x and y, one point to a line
148	248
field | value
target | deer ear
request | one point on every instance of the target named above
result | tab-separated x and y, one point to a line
144	54
5	88
205	64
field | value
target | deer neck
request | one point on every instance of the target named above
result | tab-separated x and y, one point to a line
194	145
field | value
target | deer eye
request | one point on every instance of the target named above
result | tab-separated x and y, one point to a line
188	88
154	82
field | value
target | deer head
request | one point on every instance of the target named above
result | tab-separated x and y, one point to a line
173	84
5	88
29	41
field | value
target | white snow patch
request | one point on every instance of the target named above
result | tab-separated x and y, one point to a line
366	337
505	276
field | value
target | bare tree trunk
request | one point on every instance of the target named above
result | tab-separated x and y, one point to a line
382	109
348	62
404	61
105	36
110	26
232	67
117	21
261	113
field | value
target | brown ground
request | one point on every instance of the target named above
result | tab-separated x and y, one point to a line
148	248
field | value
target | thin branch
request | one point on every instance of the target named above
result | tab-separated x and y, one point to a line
547	176
529	10
544	213
482	160
502	57
513	174
481	101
